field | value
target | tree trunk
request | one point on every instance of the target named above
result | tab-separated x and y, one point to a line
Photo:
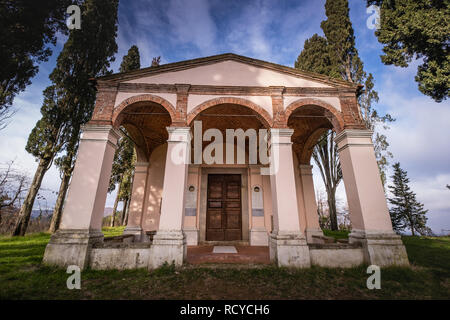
116	202
124	211
411	224
127	212
27	206
332	209
57	212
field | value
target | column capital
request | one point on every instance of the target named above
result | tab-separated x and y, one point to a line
179	134
281	136
96	132
354	137
281	132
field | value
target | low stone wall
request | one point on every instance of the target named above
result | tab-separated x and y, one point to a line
130	257
335	255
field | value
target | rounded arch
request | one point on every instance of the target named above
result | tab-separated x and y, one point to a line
262	114
140	143
337	121
304	156
143	98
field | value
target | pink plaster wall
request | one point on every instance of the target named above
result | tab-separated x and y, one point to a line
155	183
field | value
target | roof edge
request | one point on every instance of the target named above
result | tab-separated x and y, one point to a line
188	64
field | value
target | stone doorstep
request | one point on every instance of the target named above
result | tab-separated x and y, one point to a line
244	255
224	249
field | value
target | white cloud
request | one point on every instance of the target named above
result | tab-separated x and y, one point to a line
192	23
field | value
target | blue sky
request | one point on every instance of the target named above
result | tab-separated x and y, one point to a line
273	31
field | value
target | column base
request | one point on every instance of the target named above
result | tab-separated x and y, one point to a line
312	232
191	235
259	237
289	249
168	247
381	249
71	247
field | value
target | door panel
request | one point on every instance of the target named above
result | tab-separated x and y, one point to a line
224	215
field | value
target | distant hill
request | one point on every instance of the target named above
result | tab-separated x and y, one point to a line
107	212
48	213
45	213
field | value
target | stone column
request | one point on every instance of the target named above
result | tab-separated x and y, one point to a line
138	192
287	244
169	243
312	219
371	223
82	217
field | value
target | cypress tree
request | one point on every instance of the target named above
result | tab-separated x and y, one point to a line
69	101
406	212
316	57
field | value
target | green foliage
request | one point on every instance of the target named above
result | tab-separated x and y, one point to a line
340	37
131	61
26	27
411	30
316	57
406	211
341	234
45	138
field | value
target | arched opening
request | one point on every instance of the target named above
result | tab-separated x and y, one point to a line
225	116
310	119
314	121
145	122
225	210
258	111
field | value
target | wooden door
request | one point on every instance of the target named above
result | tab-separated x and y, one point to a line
223	215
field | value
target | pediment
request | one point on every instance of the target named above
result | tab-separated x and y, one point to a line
226	70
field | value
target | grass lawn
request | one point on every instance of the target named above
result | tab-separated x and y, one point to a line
23	277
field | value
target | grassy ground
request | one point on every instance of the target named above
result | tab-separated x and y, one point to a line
23	277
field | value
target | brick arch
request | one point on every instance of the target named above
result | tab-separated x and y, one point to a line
143	98
305	154
337	119
262	114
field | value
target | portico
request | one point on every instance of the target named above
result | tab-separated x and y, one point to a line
191	191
